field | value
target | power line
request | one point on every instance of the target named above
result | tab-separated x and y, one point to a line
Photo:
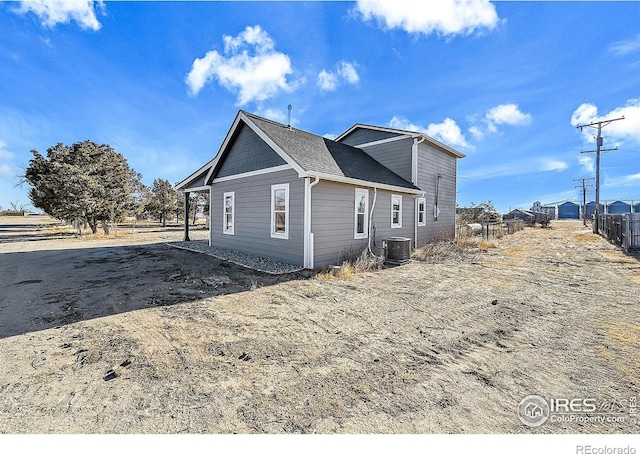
599	142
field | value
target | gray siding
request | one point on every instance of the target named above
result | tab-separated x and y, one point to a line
333	218
248	153
252	222
432	162
360	136
395	155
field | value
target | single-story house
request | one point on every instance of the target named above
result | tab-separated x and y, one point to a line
293	196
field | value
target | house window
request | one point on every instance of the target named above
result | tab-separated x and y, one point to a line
422	211
361	229
229	212
280	211
396	211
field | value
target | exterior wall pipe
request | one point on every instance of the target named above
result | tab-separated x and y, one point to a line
373	207
414	159
308	235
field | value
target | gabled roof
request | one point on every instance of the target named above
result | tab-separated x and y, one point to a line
309	155
402	133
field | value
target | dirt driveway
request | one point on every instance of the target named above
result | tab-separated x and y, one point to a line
127	335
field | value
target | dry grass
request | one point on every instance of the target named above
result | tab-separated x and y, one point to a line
446	251
485	245
349	269
586	238
103	236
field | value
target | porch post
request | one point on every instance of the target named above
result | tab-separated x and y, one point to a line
186	216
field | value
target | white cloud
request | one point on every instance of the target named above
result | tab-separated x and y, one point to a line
250	66
632	180
552	165
507	114
329	80
447	132
503	114
445	17
615	133
625	47
274	114
6	171
53	12
348	72
4	153
587	163
521	167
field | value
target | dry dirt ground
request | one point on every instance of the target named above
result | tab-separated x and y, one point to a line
127	335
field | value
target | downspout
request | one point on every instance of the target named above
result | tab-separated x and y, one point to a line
414	159
373	207
415	222
308	235
414	177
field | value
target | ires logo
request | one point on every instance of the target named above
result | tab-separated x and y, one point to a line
572	405
534	410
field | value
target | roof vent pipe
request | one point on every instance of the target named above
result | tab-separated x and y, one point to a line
290	107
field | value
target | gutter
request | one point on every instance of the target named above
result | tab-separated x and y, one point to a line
357	182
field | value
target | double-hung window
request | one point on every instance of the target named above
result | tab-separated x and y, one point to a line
421	204
229	213
280	211
396	211
361	221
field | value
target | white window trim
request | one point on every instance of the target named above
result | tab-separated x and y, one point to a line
399	198
365	234
274	234
225	230
422	200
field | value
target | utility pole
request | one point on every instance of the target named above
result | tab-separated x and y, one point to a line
584	186
598	125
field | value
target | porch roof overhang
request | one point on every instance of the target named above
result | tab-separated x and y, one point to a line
197	180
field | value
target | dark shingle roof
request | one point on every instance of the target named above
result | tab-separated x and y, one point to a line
314	153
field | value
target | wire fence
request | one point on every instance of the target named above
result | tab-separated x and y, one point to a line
497	230
491	230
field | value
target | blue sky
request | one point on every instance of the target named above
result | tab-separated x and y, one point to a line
503	82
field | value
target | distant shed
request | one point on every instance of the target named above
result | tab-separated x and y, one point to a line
527	216
618	207
591	206
569	210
